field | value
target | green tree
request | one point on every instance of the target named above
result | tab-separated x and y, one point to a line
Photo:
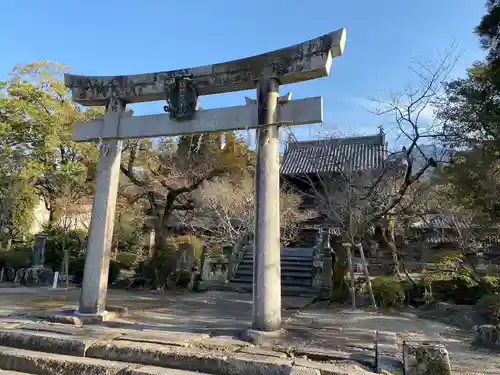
472	181
470	112
488	31
17	202
36	119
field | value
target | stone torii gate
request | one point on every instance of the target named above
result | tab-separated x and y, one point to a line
181	88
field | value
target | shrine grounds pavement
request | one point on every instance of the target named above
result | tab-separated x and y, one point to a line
314	329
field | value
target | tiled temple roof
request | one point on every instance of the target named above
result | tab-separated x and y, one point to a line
437	221
334	155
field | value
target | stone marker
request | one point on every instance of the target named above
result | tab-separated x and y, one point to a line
487	335
39	250
424	358
186	257
54	281
181	88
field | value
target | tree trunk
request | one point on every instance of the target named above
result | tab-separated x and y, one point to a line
361	250
66	260
387	245
164	257
340	289
53	215
352	289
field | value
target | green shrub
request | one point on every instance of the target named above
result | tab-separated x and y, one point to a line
489	306
491	285
16	258
77	267
388	291
57	239
442	256
127	260
128	239
114	271
164	261
183	278
415	292
459	287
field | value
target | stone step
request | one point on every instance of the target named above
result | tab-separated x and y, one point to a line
286	290
284	264
134	352
284	259
298	274
300	252
21	361
248	279
284	267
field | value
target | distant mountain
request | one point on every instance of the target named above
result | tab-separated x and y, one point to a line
438	153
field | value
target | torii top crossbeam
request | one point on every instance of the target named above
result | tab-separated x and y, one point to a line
308	60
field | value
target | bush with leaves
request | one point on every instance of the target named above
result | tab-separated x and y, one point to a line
17	205
490	285
114	271
442	256
128	236
126	260
460	286
16	258
388	291
57	241
180	278
164	261
77	267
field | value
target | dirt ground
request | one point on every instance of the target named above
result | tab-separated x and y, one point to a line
226	312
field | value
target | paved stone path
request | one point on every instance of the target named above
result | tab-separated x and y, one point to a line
410	326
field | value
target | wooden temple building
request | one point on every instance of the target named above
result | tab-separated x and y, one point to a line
306	163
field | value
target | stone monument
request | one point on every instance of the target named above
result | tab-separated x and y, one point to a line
39	250
180	88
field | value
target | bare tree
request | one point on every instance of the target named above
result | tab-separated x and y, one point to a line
227	211
166	177
412	113
363	201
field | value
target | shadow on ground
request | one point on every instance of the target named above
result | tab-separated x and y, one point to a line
225	313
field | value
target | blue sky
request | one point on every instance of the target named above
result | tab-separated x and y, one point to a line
124	37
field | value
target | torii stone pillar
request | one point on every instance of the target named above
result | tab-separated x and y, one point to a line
266	257
95	276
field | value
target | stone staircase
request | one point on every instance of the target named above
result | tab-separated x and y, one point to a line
42	348
296	272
